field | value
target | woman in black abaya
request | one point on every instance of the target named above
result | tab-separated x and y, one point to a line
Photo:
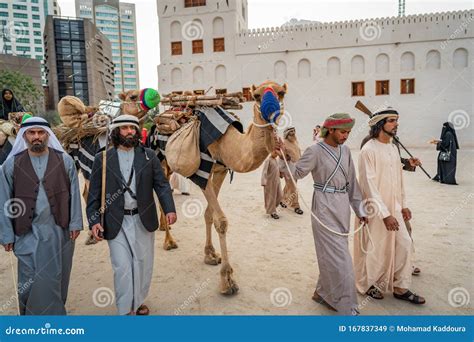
448	144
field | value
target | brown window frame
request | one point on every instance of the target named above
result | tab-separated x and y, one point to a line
199	92
194	3
379	87
174	48
222	91
402	87
363	88
196	49
219	44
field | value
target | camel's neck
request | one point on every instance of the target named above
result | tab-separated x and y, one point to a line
244	152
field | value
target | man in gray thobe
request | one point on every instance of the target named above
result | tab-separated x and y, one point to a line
41	217
335	191
130	218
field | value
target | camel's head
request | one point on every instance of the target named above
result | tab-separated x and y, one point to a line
269	102
280	90
139	102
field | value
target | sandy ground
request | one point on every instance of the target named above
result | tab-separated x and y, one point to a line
275	262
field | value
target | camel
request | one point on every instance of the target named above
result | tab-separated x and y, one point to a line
241	153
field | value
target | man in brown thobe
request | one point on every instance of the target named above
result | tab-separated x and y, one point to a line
293	154
271	185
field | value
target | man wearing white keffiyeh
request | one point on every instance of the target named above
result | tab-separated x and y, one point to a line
41	217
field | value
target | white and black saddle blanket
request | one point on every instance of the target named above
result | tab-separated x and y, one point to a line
84	151
214	123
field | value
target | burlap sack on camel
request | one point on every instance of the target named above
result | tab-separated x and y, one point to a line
182	150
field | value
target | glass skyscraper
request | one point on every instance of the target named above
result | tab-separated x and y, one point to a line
21	27
117	20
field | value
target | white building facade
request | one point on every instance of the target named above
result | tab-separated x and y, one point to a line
21	27
117	20
419	64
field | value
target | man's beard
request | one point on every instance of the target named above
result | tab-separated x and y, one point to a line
392	133
129	141
38	148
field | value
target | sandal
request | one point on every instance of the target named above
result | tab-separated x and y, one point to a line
416	271
143	310
318	299
298	211
275	216
410	297
374	293
283	205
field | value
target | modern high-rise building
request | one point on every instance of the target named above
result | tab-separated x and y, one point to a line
21	27
78	61
117	20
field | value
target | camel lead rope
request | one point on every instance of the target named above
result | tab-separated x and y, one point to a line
14	283
362	225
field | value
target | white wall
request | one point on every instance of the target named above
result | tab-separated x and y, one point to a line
251	55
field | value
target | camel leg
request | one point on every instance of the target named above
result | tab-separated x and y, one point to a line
169	242
227	286
211	257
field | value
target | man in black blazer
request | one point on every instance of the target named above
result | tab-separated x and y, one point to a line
133	172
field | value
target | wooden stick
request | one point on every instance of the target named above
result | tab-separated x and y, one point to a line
360	106
102	197
400	143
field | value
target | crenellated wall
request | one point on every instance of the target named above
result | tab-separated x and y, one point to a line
353	33
320	61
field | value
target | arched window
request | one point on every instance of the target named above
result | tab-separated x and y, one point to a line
176	76
433	60
382	63
334	66
218	27
175	31
304	68
407	61
198	75
221	77
279	70
460	58
357	65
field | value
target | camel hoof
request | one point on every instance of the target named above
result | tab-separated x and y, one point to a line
231	290
212	259
169	245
